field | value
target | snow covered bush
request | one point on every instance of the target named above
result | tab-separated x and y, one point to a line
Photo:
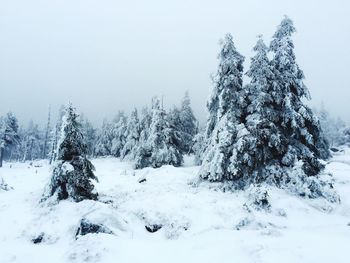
258	198
3	185
198	148
72	170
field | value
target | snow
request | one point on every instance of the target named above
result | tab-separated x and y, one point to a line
199	222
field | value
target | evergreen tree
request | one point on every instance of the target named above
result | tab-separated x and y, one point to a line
46	146
225	108
89	133
72	171
103	146
198	148
8	134
259	139
55	134
119	134
227	93
301	135
32	143
132	136
187	124
333	128
160	147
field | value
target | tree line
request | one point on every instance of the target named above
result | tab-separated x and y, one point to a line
256	132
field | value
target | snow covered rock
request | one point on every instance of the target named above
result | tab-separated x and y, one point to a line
87	227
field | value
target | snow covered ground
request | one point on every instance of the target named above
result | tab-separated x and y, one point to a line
198	223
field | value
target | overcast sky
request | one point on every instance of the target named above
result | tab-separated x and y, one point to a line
106	55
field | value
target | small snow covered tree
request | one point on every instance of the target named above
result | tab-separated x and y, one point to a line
132	136
187	124
333	128
160	147
72	170
301	135
103	146
119	134
89	133
198	147
32	143
8	134
225	108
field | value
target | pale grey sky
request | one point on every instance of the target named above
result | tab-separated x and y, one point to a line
106	55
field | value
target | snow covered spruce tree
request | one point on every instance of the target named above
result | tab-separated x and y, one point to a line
119	134
253	147
161	146
132	136
300	134
72	171
89	133
32	142
187	124
103	145
8	134
225	108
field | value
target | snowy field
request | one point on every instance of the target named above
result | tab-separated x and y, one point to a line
198	224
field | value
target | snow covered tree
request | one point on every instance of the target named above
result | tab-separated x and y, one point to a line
72	170
301	135
145	124
103	146
187	124
55	133
32	143
198	147
258	136
346	136
160	147
333	128
46	147
227	93
119	134
8	134
89	133
132	136
225	108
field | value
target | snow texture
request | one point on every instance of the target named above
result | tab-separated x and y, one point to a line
197	223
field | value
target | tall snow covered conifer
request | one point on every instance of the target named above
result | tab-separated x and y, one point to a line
32	143
187	124
72	170
132	136
225	108
103	145
119	134
260	140
8	134
301	135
